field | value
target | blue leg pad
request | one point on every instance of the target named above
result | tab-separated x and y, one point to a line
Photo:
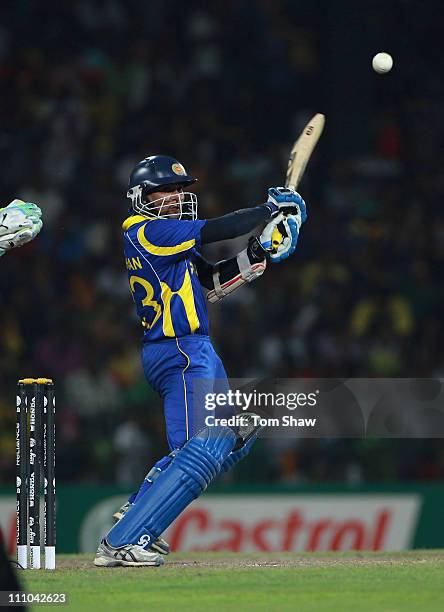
189	474
155	471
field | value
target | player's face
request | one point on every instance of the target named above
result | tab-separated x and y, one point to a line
172	196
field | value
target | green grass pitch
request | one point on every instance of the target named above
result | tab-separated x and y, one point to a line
383	582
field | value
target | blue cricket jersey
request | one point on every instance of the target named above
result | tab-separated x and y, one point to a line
159	256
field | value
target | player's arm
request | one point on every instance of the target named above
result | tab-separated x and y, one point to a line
277	242
280	201
228	275
235	224
20	222
225	276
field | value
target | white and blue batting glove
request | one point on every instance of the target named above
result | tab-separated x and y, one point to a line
20	222
288	202
280	236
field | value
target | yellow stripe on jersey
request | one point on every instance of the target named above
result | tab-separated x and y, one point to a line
162	250
133	220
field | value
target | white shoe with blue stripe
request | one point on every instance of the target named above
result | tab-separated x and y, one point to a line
130	555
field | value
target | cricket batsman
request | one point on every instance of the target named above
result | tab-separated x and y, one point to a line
167	273
20	222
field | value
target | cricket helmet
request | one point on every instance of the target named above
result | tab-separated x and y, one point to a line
155	173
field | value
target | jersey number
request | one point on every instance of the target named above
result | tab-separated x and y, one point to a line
185	293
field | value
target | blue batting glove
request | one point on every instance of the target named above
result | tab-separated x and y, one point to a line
287	201
279	237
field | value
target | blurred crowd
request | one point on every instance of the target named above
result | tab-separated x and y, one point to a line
95	86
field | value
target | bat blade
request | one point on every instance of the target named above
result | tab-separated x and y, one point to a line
302	150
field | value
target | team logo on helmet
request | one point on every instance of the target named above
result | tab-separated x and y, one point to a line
178	169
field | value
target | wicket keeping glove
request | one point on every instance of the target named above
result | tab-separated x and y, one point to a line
20	222
279	237
288	202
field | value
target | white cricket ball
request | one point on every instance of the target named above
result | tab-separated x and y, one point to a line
382	63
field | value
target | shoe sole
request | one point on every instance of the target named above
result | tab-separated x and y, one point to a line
103	562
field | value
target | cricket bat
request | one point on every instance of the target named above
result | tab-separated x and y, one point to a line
299	156
302	150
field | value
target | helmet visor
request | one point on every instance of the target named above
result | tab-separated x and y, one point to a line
178	205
